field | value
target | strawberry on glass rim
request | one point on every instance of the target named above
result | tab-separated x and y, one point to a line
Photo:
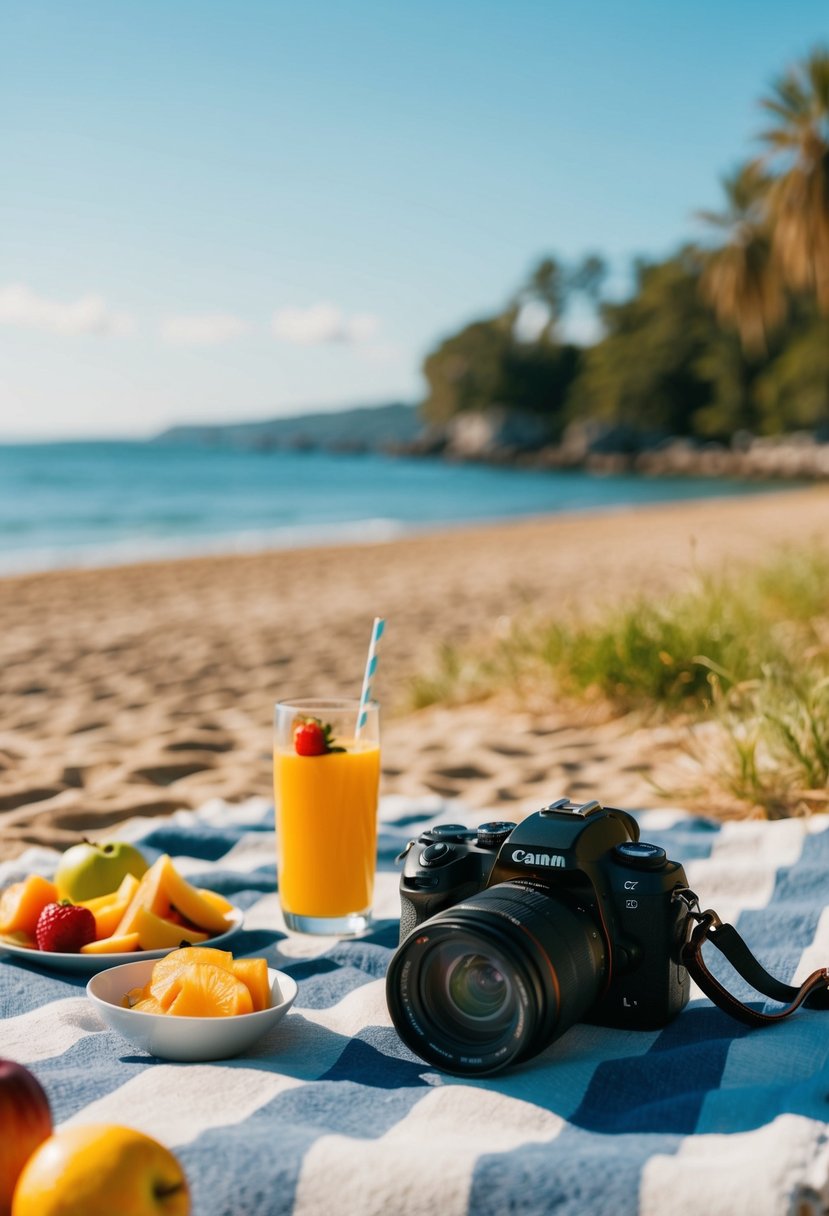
313	738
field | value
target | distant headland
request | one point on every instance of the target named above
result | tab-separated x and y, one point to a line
508	437
359	429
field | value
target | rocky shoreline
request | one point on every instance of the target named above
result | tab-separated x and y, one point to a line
499	437
510	437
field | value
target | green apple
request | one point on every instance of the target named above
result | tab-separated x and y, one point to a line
88	870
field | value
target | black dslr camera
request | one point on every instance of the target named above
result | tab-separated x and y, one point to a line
510	934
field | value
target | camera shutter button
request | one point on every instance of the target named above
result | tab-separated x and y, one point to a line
436	854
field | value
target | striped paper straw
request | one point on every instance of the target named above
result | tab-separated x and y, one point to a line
371	667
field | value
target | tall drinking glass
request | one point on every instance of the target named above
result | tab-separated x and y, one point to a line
326	782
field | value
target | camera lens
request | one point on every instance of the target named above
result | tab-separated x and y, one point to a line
471	995
495	979
476	988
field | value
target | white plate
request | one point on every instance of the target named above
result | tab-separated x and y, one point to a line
176	1038
88	964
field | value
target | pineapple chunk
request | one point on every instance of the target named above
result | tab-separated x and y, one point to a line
164	980
199	981
253	972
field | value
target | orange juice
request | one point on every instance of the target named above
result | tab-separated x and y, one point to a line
326	829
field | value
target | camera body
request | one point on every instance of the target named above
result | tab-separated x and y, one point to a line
577	872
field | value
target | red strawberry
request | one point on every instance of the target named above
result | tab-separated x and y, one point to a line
314	738
310	738
64	928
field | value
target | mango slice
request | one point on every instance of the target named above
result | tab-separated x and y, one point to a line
18	939
108	918
112	945
163	888
156	933
22	903
100	901
125	892
190	903
218	901
149	895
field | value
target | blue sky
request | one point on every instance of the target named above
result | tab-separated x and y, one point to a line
219	211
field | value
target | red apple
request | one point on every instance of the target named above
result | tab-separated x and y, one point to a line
25	1122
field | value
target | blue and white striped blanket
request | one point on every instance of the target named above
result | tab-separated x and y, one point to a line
331	1114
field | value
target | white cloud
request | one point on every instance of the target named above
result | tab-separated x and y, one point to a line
320	324
210	329
89	314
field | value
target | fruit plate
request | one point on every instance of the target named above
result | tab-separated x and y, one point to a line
88	964
168	1037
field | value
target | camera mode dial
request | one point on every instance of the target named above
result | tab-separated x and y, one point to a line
450	831
640	855
493	835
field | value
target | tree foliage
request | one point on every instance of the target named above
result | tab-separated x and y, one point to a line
493	363
644	373
741	279
726	335
797	145
486	365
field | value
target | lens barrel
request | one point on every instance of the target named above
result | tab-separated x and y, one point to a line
496	978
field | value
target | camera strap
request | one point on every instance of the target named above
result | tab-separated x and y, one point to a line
702	927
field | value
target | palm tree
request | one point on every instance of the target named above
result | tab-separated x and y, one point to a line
740	278
589	276
798	153
546	289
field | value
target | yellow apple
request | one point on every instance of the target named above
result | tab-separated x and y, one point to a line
99	1170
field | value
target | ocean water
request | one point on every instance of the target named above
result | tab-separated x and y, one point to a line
76	504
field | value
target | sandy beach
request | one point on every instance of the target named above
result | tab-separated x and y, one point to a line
137	690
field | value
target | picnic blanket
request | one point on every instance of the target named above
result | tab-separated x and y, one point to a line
331	1113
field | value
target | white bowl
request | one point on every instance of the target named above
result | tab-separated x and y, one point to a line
175	1038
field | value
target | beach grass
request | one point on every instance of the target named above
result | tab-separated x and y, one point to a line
748	651
771	750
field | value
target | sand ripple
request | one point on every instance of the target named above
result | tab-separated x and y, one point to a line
142	689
